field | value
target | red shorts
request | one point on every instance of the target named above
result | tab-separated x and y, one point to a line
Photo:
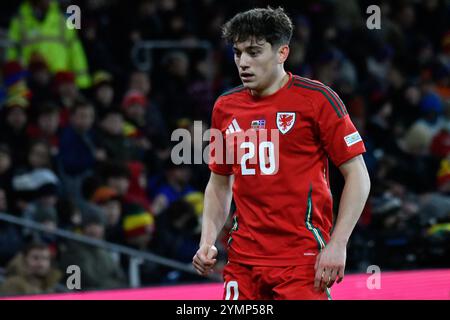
244	282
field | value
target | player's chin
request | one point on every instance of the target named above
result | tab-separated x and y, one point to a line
252	85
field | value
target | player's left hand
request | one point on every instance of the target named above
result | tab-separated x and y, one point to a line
330	265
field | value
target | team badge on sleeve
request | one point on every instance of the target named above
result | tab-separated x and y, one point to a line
353	138
285	121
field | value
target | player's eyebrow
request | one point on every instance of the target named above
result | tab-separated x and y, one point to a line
251	47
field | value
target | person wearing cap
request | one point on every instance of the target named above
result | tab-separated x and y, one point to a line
67	94
138	226
108	200
419	136
156	126
40	27
15	80
99	269
137	127
139	229
39	79
134	106
102	91
34	189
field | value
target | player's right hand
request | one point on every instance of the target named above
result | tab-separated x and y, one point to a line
205	259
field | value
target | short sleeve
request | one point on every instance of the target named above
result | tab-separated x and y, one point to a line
217	163
338	135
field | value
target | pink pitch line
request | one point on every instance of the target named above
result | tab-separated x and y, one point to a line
403	285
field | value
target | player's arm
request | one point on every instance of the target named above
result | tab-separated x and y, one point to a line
216	209
354	196
330	264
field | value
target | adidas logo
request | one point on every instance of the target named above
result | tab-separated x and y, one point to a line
233	127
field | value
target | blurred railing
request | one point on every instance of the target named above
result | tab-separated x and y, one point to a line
136	257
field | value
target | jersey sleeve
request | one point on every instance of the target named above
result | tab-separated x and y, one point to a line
338	135
217	155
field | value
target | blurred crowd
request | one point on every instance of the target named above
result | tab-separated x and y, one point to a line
85	131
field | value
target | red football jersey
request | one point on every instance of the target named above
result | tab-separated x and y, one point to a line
281	188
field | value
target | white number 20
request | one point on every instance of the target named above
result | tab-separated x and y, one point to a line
263	146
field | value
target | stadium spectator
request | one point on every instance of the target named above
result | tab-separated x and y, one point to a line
138	226
67	94
31	272
48	217
111	137
172	90
176	187
11	239
134	106
99	269
137	190
139	229
38	22
15	80
102	92
47	126
13	128
117	176
35	191
39	80
177	236
39	155
78	153
156	127
108	200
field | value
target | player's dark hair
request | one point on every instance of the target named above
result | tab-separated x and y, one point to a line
272	25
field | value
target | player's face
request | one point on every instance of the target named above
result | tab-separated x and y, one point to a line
257	63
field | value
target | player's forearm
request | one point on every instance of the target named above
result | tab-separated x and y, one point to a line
353	199
216	210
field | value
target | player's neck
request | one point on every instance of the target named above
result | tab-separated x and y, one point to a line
276	85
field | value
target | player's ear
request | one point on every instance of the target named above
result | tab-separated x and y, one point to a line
283	53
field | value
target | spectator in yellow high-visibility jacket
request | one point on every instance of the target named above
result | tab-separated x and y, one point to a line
39	28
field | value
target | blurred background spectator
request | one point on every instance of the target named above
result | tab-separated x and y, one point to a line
31	272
